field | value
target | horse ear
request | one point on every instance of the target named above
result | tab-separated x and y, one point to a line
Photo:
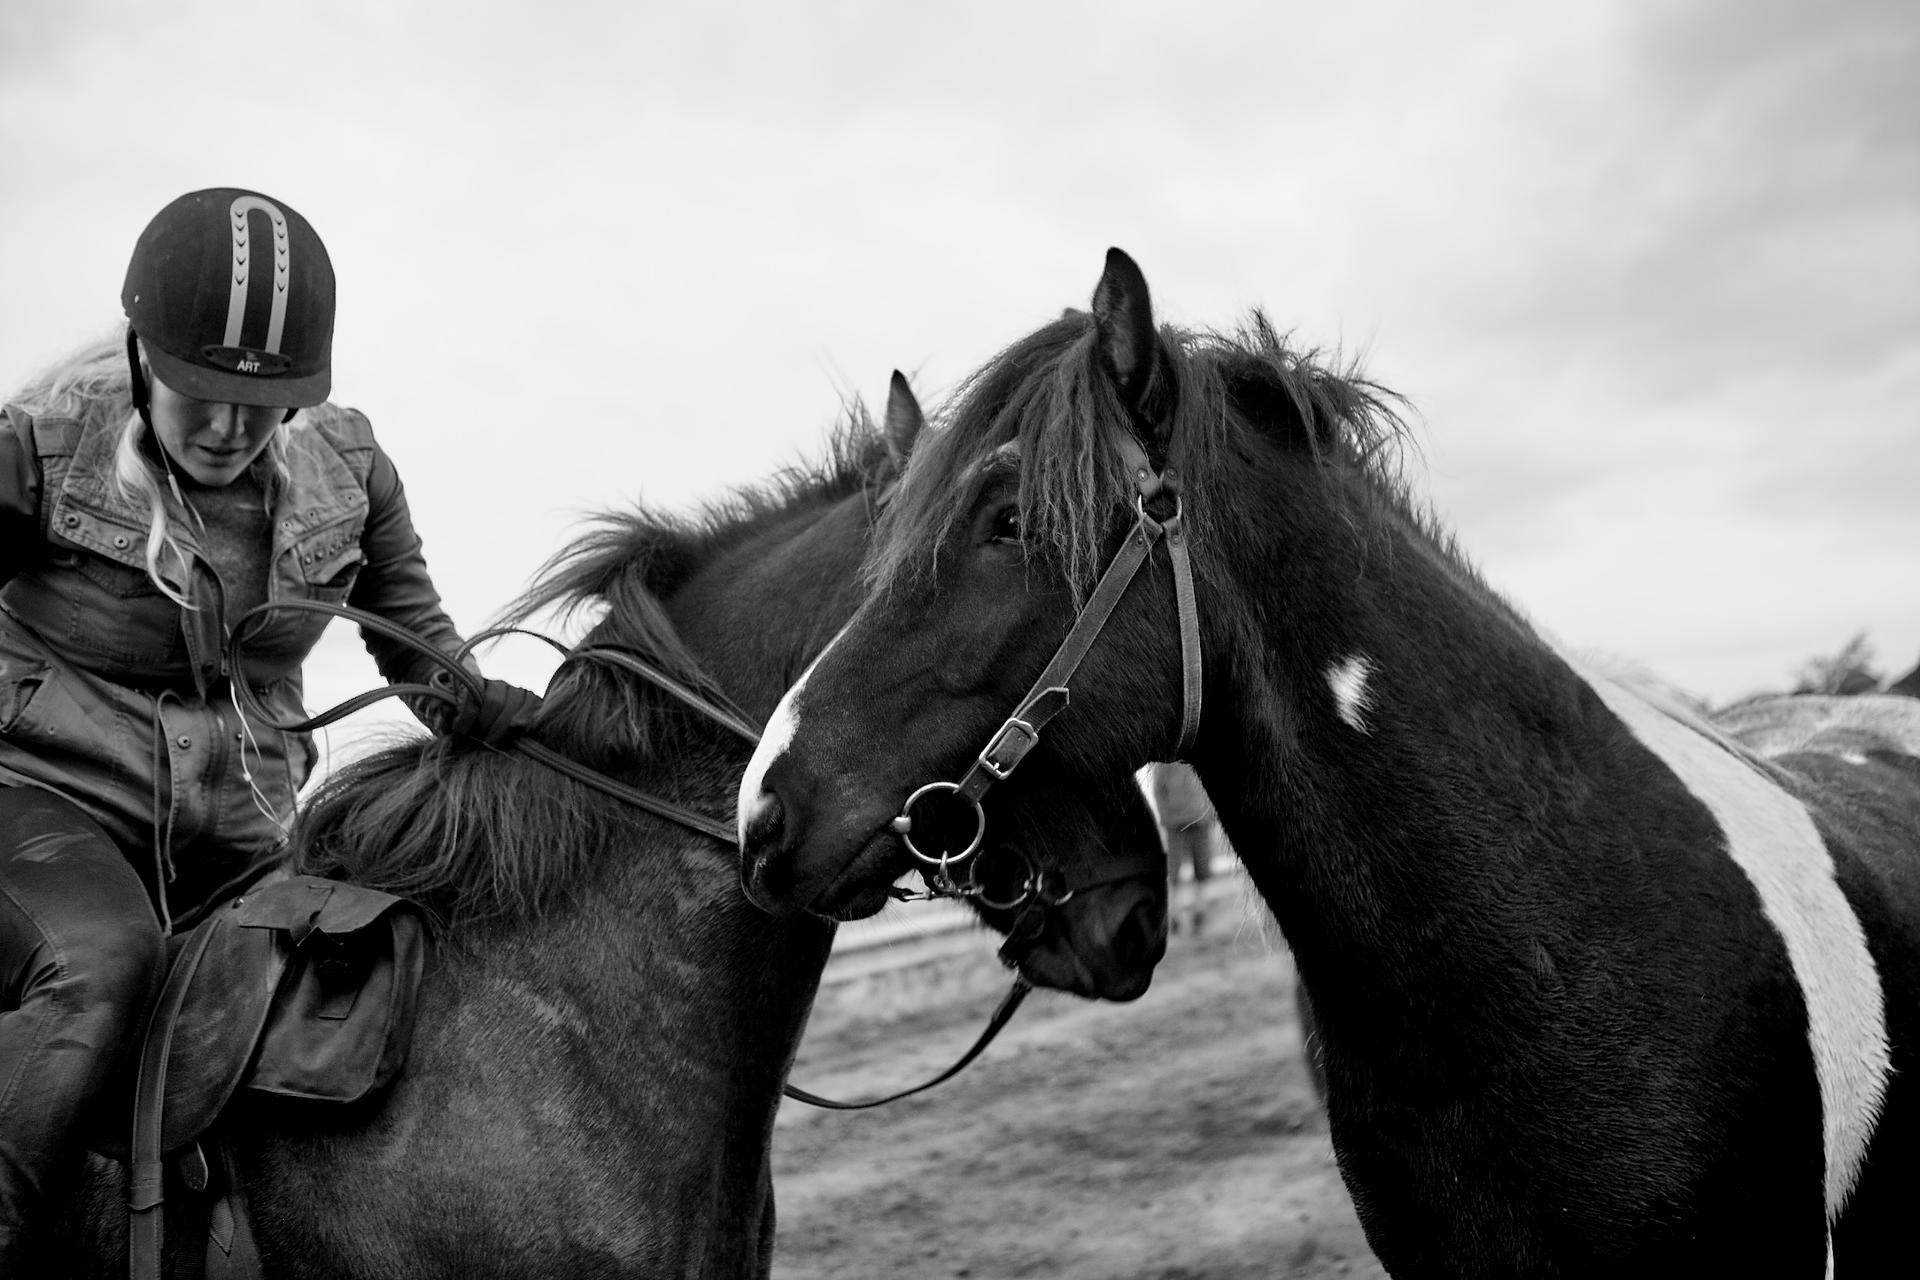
904	420
1123	317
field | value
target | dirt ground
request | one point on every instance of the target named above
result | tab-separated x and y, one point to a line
1174	1138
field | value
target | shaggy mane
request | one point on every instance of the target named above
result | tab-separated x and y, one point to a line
474	834
1049	396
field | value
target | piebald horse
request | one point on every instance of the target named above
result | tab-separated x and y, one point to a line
1601	990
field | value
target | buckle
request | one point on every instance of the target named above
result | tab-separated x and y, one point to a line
1015	738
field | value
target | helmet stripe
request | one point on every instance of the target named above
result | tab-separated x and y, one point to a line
242	261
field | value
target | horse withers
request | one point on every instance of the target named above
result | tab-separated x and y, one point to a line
1599	990
606	1023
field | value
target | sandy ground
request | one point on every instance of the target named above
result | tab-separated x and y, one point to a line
1176	1138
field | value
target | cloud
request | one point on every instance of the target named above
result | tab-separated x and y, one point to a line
1644	271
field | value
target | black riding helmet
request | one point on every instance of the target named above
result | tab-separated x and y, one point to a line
232	293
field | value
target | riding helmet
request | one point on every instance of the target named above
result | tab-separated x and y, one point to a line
232	294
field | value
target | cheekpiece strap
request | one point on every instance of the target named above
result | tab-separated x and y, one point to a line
1149	484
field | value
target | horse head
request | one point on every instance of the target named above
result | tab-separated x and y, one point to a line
981	564
1083	904
1098	430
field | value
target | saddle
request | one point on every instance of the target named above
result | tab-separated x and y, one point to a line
298	987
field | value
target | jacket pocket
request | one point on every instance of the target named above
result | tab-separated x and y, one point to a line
16	692
114	578
51	711
330	559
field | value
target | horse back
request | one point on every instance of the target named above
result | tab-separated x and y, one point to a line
1863	793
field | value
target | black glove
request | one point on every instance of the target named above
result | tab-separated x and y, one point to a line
498	714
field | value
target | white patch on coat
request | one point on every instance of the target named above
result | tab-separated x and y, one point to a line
774	740
1774	841
1351	698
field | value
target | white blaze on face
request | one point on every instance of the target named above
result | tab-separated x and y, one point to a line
1773	839
1348	680
774	740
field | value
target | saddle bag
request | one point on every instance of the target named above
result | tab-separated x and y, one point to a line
300	987
349	961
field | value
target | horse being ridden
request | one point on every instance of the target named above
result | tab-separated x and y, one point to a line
1600	991
607	1023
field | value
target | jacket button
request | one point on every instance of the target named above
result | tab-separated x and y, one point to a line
184	741
120	541
72	521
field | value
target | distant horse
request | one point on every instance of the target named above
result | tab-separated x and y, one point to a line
1907	685
1846	725
1599	990
607	1024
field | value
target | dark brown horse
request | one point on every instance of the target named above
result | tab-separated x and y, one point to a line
608	1023
1600	990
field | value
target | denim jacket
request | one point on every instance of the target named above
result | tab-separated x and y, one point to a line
119	699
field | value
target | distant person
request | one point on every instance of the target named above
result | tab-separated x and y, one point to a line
153	488
1188	824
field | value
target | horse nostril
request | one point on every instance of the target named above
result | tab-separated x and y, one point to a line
765	877
762	823
1142	939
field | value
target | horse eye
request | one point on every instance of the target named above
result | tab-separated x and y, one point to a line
1006	525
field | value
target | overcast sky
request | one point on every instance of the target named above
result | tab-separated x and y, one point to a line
1649	273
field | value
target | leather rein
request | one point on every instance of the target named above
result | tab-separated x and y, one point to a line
717	709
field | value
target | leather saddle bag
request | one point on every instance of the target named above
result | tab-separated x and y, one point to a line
350	962
300	987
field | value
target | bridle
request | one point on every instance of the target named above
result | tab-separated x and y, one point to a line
1050	694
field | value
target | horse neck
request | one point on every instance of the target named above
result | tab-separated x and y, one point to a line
763	609
678	1006
683	959
687	984
1368	823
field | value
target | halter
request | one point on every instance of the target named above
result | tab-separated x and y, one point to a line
1050	694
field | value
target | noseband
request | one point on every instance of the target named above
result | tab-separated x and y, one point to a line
1050	694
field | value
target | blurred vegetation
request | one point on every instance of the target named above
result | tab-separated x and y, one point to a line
1849	671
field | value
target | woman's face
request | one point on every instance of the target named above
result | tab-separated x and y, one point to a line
213	443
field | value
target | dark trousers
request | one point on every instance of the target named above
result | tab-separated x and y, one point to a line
81	956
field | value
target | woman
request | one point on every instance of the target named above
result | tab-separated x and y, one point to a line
152	490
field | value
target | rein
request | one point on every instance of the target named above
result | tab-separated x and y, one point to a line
1050	693
716	709
453	666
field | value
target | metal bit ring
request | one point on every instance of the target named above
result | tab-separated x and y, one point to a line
903	825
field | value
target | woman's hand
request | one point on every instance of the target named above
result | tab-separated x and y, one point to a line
496	715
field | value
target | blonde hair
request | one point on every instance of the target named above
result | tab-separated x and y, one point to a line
94	388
